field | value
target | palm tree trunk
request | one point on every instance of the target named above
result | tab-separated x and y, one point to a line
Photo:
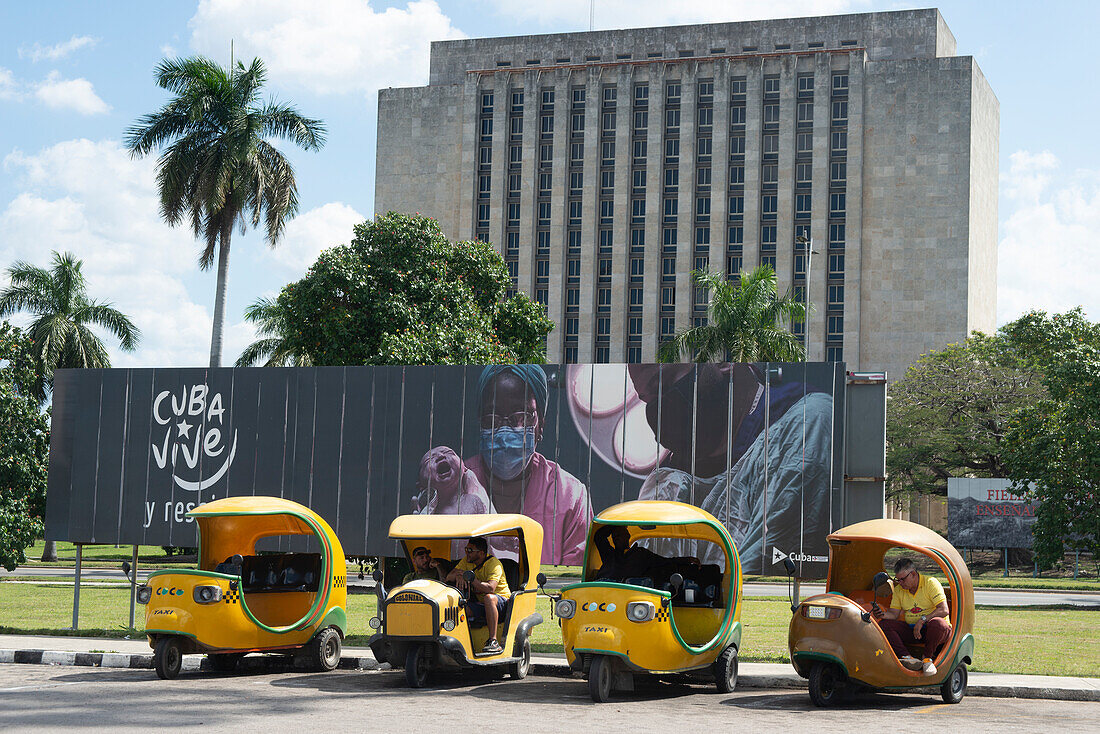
49	552
219	299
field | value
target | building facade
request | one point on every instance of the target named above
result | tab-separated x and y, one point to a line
856	154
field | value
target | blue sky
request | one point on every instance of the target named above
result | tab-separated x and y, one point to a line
74	76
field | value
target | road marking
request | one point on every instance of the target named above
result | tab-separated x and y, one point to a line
41	685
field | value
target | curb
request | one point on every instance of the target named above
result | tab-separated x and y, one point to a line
540	665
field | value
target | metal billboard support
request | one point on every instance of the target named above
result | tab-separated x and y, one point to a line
76	585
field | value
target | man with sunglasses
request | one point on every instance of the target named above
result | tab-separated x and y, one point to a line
424	566
489	585
918	613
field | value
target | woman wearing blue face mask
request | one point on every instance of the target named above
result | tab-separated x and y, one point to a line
512	405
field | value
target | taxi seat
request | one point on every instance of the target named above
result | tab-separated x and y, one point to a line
864	597
281	573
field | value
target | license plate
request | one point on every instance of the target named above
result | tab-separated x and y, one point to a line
816	613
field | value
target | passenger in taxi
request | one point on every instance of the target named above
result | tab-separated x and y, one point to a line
918	613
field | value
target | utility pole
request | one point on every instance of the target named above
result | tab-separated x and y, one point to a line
808	245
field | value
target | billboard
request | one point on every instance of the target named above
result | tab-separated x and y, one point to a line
983	513
757	445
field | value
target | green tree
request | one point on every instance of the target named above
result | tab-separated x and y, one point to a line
746	320
272	348
401	293
61	333
24	448
218	168
948	416
1052	448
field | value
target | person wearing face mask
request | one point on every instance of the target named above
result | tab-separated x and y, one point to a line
512	409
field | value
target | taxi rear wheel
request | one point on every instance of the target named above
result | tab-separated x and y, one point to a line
599	679
168	658
418	665
954	688
323	651
519	669
725	670
826	684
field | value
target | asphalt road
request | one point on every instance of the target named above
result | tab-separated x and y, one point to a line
994	597
46	698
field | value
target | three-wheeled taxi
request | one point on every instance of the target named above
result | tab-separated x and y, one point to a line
641	611
834	637
239	601
424	625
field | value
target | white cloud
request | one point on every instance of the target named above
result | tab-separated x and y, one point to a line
640	13
37	52
1048	257
168	51
307	234
9	88
71	94
91	199
330	47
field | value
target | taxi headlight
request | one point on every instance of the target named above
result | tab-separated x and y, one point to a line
640	611
207	594
144	594
565	608
375	623
449	625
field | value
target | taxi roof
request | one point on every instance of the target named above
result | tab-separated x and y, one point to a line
898	532
250	505
460	526
654	512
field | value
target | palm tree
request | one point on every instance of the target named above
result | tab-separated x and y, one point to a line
63	317
218	169
273	324
746	321
60	333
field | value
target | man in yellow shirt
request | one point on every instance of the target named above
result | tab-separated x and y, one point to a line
918	613
489	585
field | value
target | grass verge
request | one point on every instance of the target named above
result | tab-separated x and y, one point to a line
1017	640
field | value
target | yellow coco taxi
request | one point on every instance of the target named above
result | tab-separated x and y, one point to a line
835	639
424	625
238	601
661	594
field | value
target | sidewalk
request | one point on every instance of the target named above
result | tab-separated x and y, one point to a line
116	653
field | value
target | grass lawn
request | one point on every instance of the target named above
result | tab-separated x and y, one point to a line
1009	639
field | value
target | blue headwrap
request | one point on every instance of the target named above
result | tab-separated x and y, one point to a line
531	374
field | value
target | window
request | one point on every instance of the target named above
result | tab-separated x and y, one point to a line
577	123
737	145
515	155
840	141
605	240
672	179
706	117
737	115
840	83
770	144
769	204
641	95
672	93
576	152
634	326
607	153
771	114
702	262
800	272
605	269
486	128
702	236
771	86
836	295
610	94
574	213
672	151
574	270
635	299
603	355
634	355
637	212
737	206
607	181
838	172
803	173
513	184
703	148
483	215
641	120
706	91
576	183
578	96
733	264
805	113
736	235
512	244
572	325
668	268
767	237
836	265
485	156
671	209
608	125
637	269
668	296
607	211
573	298
515	126
545	179
641	150
548	98
834	354
484	186
738	86
669	238
544	215
802	205
836	325
702	208
805	84
546	153
672	120
804	143
768	260
836	204
542	269
486	102
769	173
668	326
637	240
702	177
570	355
542	296
836	235
737	175
603	299
542	241
840	111
603	326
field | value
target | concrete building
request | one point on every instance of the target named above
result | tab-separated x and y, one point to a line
607	165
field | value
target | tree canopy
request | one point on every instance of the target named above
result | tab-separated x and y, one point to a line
746	319
24	448
219	169
1053	446
61	334
401	293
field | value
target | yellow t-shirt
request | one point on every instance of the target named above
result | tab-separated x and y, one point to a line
924	600
490	570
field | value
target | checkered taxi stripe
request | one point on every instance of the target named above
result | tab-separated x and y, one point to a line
232	596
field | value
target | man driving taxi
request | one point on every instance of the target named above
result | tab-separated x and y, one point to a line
489	584
424	566
918	613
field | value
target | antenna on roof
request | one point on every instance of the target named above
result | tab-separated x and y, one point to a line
591	14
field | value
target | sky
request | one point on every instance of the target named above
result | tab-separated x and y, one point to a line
75	75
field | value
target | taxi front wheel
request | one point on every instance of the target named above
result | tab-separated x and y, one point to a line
725	670
418	665
599	678
519	669
954	688
168	658
826	684
323	651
